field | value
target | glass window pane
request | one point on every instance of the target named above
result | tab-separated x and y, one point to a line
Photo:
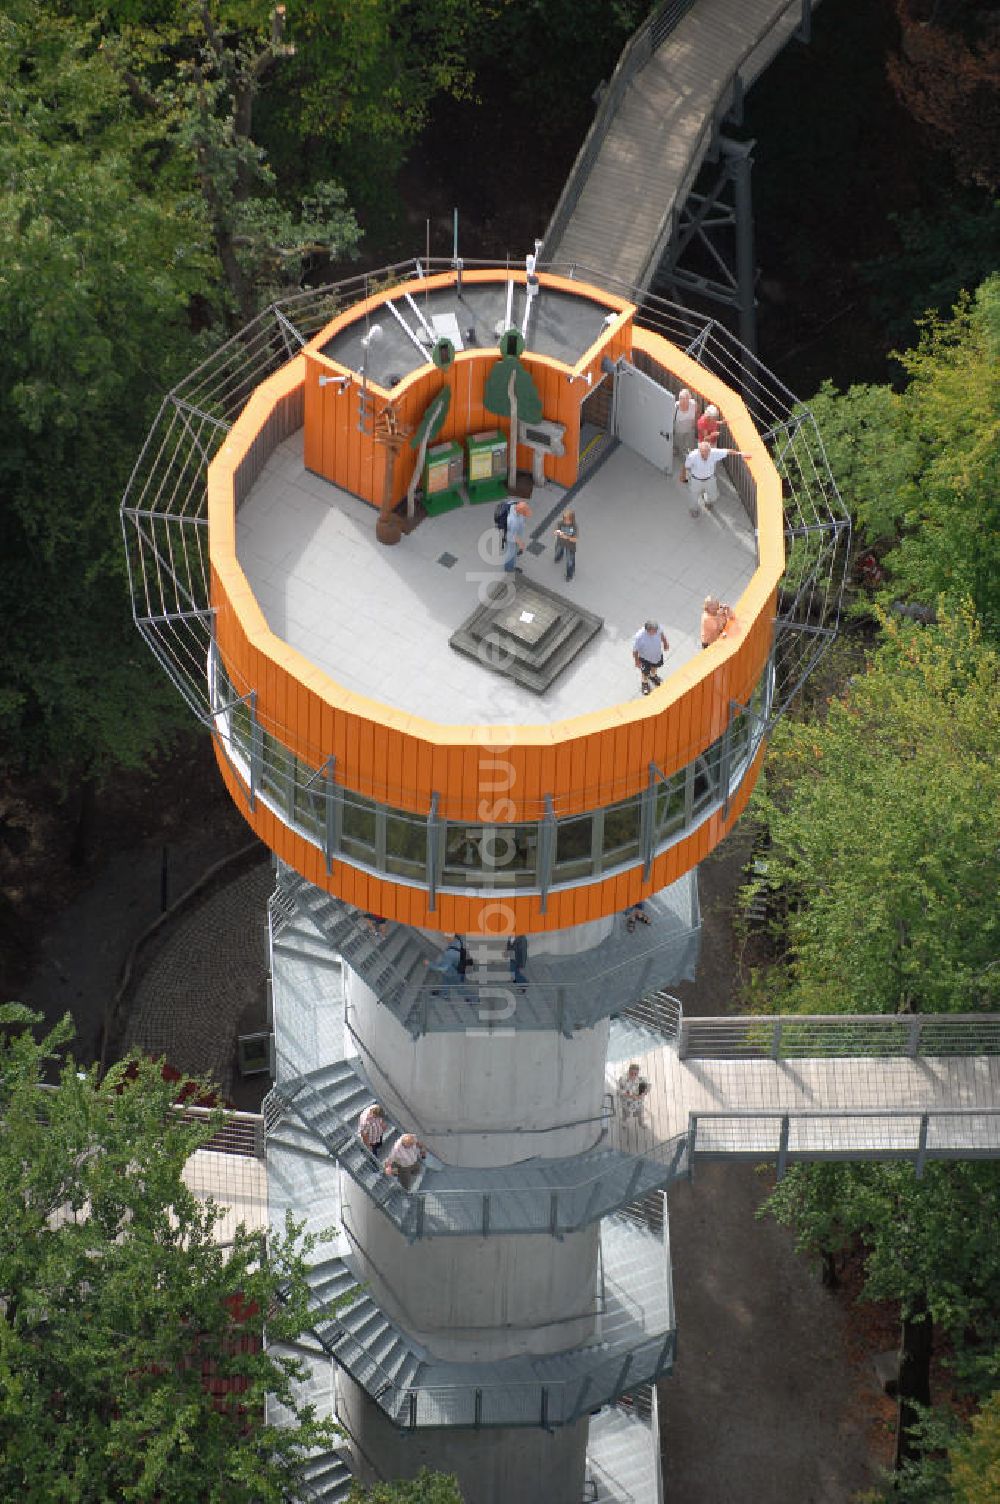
494	856
276	771
406	845
670	808
357	834
310	801
574	843
621	833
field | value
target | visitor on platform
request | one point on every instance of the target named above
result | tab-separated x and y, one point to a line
648	648
632	1087
708	424
517	958
450	966
372	1126
405	1158
567	534
685	418
699	473
715	621
517	536
636	914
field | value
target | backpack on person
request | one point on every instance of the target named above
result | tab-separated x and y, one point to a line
500	514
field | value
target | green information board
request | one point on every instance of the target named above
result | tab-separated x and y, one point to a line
443	474
487	466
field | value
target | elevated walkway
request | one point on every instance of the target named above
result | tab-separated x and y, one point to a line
562	992
635	1343
682	73
794	1088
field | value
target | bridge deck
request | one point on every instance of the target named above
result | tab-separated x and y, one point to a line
660	133
856	1107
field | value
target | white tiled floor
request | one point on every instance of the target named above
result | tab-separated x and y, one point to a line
378	619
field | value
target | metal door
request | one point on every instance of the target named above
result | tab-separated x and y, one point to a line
644	416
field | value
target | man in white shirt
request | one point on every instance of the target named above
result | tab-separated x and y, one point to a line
699	473
648	648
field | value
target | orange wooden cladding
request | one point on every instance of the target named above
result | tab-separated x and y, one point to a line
336	448
401	759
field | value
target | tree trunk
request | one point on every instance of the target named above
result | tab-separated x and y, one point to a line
916	1346
828	1270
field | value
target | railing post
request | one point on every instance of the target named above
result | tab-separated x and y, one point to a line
803	32
692	1138
486	1215
331	838
256	749
433	845
477	1422
554	1214
546	852
412	1409
783	1147
925	1118
913	1026
418	1219
776	1038
683	1038
544	1416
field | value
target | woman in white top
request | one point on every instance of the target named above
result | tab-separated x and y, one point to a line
685	419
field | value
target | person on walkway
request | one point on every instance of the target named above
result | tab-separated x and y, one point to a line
567	534
517	958
517	534
453	962
699	473
636	914
713	619
648	648
372	1126
632	1087
405	1158
685	418
708	424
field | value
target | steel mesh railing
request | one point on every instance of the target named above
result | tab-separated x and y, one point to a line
817	1036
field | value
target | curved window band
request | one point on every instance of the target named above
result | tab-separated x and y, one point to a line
534	856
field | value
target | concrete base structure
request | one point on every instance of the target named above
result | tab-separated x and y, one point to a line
493	1466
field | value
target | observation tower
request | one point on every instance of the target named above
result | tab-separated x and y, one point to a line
432	745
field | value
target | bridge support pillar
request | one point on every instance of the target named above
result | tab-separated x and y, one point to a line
710	255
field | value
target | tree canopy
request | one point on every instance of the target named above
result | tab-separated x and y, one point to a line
132	1363
921	468
885	818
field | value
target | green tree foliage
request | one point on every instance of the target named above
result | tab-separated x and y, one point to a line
98	271
118	1302
921	469
426	1488
885	820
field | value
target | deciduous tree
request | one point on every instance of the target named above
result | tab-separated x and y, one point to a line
121	1313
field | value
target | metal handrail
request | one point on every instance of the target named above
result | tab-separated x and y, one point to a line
536	1401
921	1151
819	1035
